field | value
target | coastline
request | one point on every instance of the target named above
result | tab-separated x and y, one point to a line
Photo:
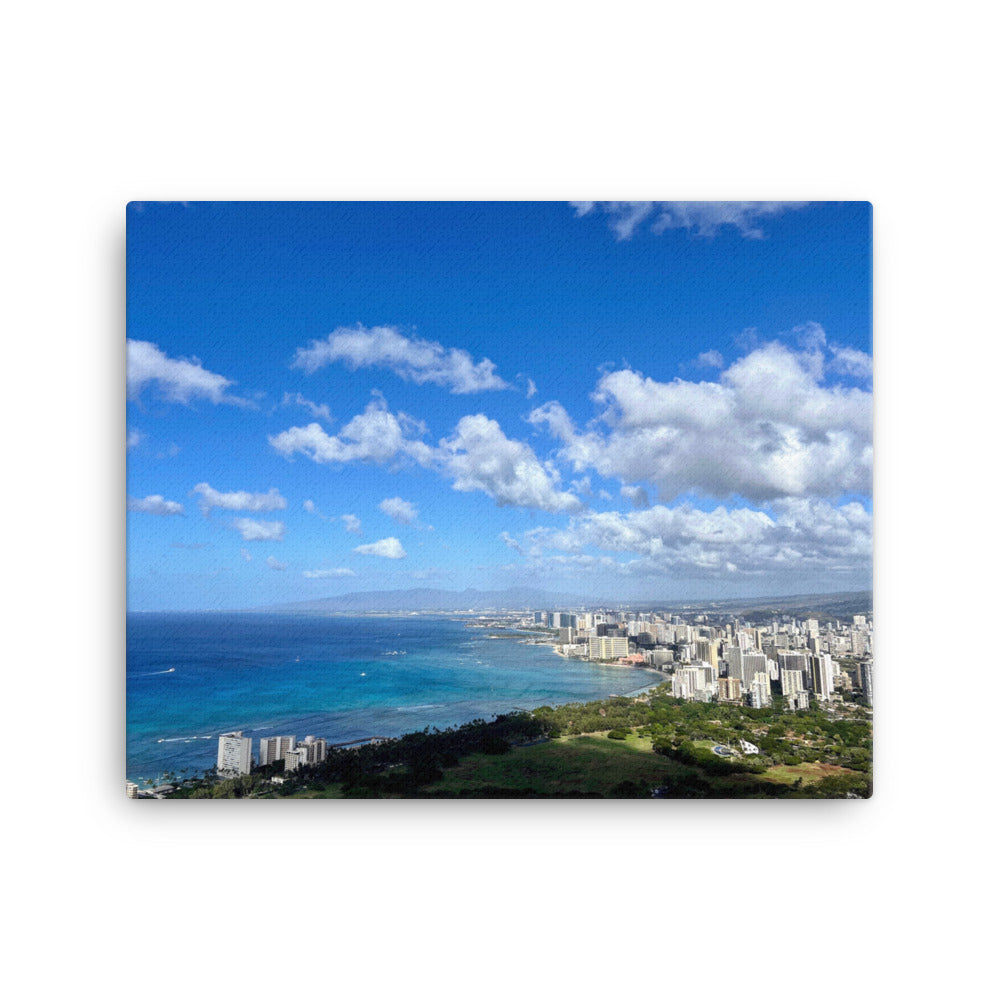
335	693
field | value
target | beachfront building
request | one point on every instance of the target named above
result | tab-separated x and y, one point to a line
274	748
315	749
131	790
607	647
309	751
235	754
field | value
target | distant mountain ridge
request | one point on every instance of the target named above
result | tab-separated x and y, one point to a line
841	604
429	599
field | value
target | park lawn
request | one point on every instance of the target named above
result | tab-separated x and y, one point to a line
570	765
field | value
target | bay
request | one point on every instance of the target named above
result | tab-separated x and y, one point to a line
190	677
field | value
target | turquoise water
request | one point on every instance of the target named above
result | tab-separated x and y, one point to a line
193	676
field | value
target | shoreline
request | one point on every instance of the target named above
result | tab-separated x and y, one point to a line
396	721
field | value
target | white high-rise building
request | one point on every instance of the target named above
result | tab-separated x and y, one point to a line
791	682
607	647
235	754
760	690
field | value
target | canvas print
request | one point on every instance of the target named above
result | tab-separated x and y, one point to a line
499	500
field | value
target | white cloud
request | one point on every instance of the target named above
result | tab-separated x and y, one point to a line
319	411
326	574
155	505
766	429
240	500
810	536
259	531
246	555
710	359
532	388
703	217
510	542
419	361
179	380
479	456
848	361
133	438
373	436
309	506
388	548
275	564
351	523
399	510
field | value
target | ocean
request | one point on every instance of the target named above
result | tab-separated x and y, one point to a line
190	677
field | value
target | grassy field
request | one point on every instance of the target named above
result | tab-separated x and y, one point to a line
571	765
595	765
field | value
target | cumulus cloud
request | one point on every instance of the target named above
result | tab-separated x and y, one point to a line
850	362
479	456
240	500
798	535
399	510
319	411
273	563
326	574
388	548
155	505
419	361
351	523
259	531
247	555
179	380
132	439
702	217
376	436
768	428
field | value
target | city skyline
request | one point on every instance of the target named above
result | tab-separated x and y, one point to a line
631	400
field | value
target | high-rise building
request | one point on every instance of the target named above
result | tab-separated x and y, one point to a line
821	670
274	748
315	749
867	686
607	647
759	690
729	689
131	790
791	682
707	650
235	753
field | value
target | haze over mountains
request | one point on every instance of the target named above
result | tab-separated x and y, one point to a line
524	598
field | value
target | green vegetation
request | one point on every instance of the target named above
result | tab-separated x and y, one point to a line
616	748
653	745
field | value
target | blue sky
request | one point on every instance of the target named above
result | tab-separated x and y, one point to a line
619	400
